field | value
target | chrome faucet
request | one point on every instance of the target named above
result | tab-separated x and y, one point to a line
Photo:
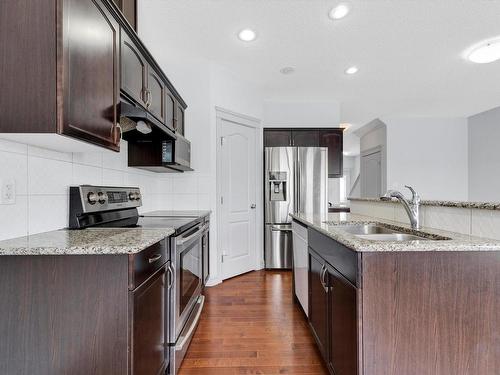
412	207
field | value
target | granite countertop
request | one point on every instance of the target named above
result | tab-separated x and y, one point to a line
456	241
459	204
85	242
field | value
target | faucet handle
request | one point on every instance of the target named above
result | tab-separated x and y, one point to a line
415	197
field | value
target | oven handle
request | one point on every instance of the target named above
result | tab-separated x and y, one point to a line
189	333
189	238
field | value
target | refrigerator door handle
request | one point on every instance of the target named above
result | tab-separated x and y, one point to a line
297	183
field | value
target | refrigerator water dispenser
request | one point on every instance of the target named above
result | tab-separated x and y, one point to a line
277	189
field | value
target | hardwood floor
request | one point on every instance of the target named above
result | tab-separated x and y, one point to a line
250	325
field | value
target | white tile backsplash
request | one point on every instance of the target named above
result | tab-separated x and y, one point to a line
8	146
112	177
93	159
184	201
47	212
486	223
43	178
49	154
448	218
14	167
13	218
49	176
86	175
185	185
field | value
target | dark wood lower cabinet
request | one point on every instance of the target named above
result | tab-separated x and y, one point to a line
79	315
318	303
148	326
342	324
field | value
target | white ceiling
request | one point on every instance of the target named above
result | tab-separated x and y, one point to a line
408	51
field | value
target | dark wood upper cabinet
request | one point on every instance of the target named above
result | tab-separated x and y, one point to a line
179	119
147	330
90	66
305	138
277	137
342	324
170	105
133	71
73	92
318	302
129	10
155	101
310	137
333	139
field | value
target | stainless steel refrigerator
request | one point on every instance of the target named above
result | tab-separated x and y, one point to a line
296	180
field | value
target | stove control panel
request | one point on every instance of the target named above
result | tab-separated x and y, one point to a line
88	198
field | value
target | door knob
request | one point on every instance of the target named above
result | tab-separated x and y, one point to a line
252	206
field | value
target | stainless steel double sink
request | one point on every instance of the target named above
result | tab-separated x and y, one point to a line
377	232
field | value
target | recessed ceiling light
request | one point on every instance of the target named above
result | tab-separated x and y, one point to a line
247	35
287	70
485	52
351	70
340	11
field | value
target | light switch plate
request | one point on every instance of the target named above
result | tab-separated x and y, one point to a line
8	191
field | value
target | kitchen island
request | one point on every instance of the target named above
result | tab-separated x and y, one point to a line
426	306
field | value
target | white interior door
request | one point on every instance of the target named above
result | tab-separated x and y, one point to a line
238	197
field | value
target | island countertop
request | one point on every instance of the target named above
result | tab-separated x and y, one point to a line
455	241
111	241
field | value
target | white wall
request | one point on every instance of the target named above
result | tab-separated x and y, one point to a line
484	156
430	154
301	114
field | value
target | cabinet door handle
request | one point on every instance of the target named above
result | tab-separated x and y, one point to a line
119	128
323	278
154	258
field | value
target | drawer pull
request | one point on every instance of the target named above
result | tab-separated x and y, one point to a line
154	258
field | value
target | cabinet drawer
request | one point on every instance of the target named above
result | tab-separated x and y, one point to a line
144	264
337	255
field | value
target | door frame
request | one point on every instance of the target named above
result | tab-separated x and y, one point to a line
223	114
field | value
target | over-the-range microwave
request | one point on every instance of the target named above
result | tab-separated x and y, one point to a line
160	155
176	153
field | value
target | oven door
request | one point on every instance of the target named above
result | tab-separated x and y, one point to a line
188	276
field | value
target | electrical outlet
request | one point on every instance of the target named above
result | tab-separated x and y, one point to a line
8	192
